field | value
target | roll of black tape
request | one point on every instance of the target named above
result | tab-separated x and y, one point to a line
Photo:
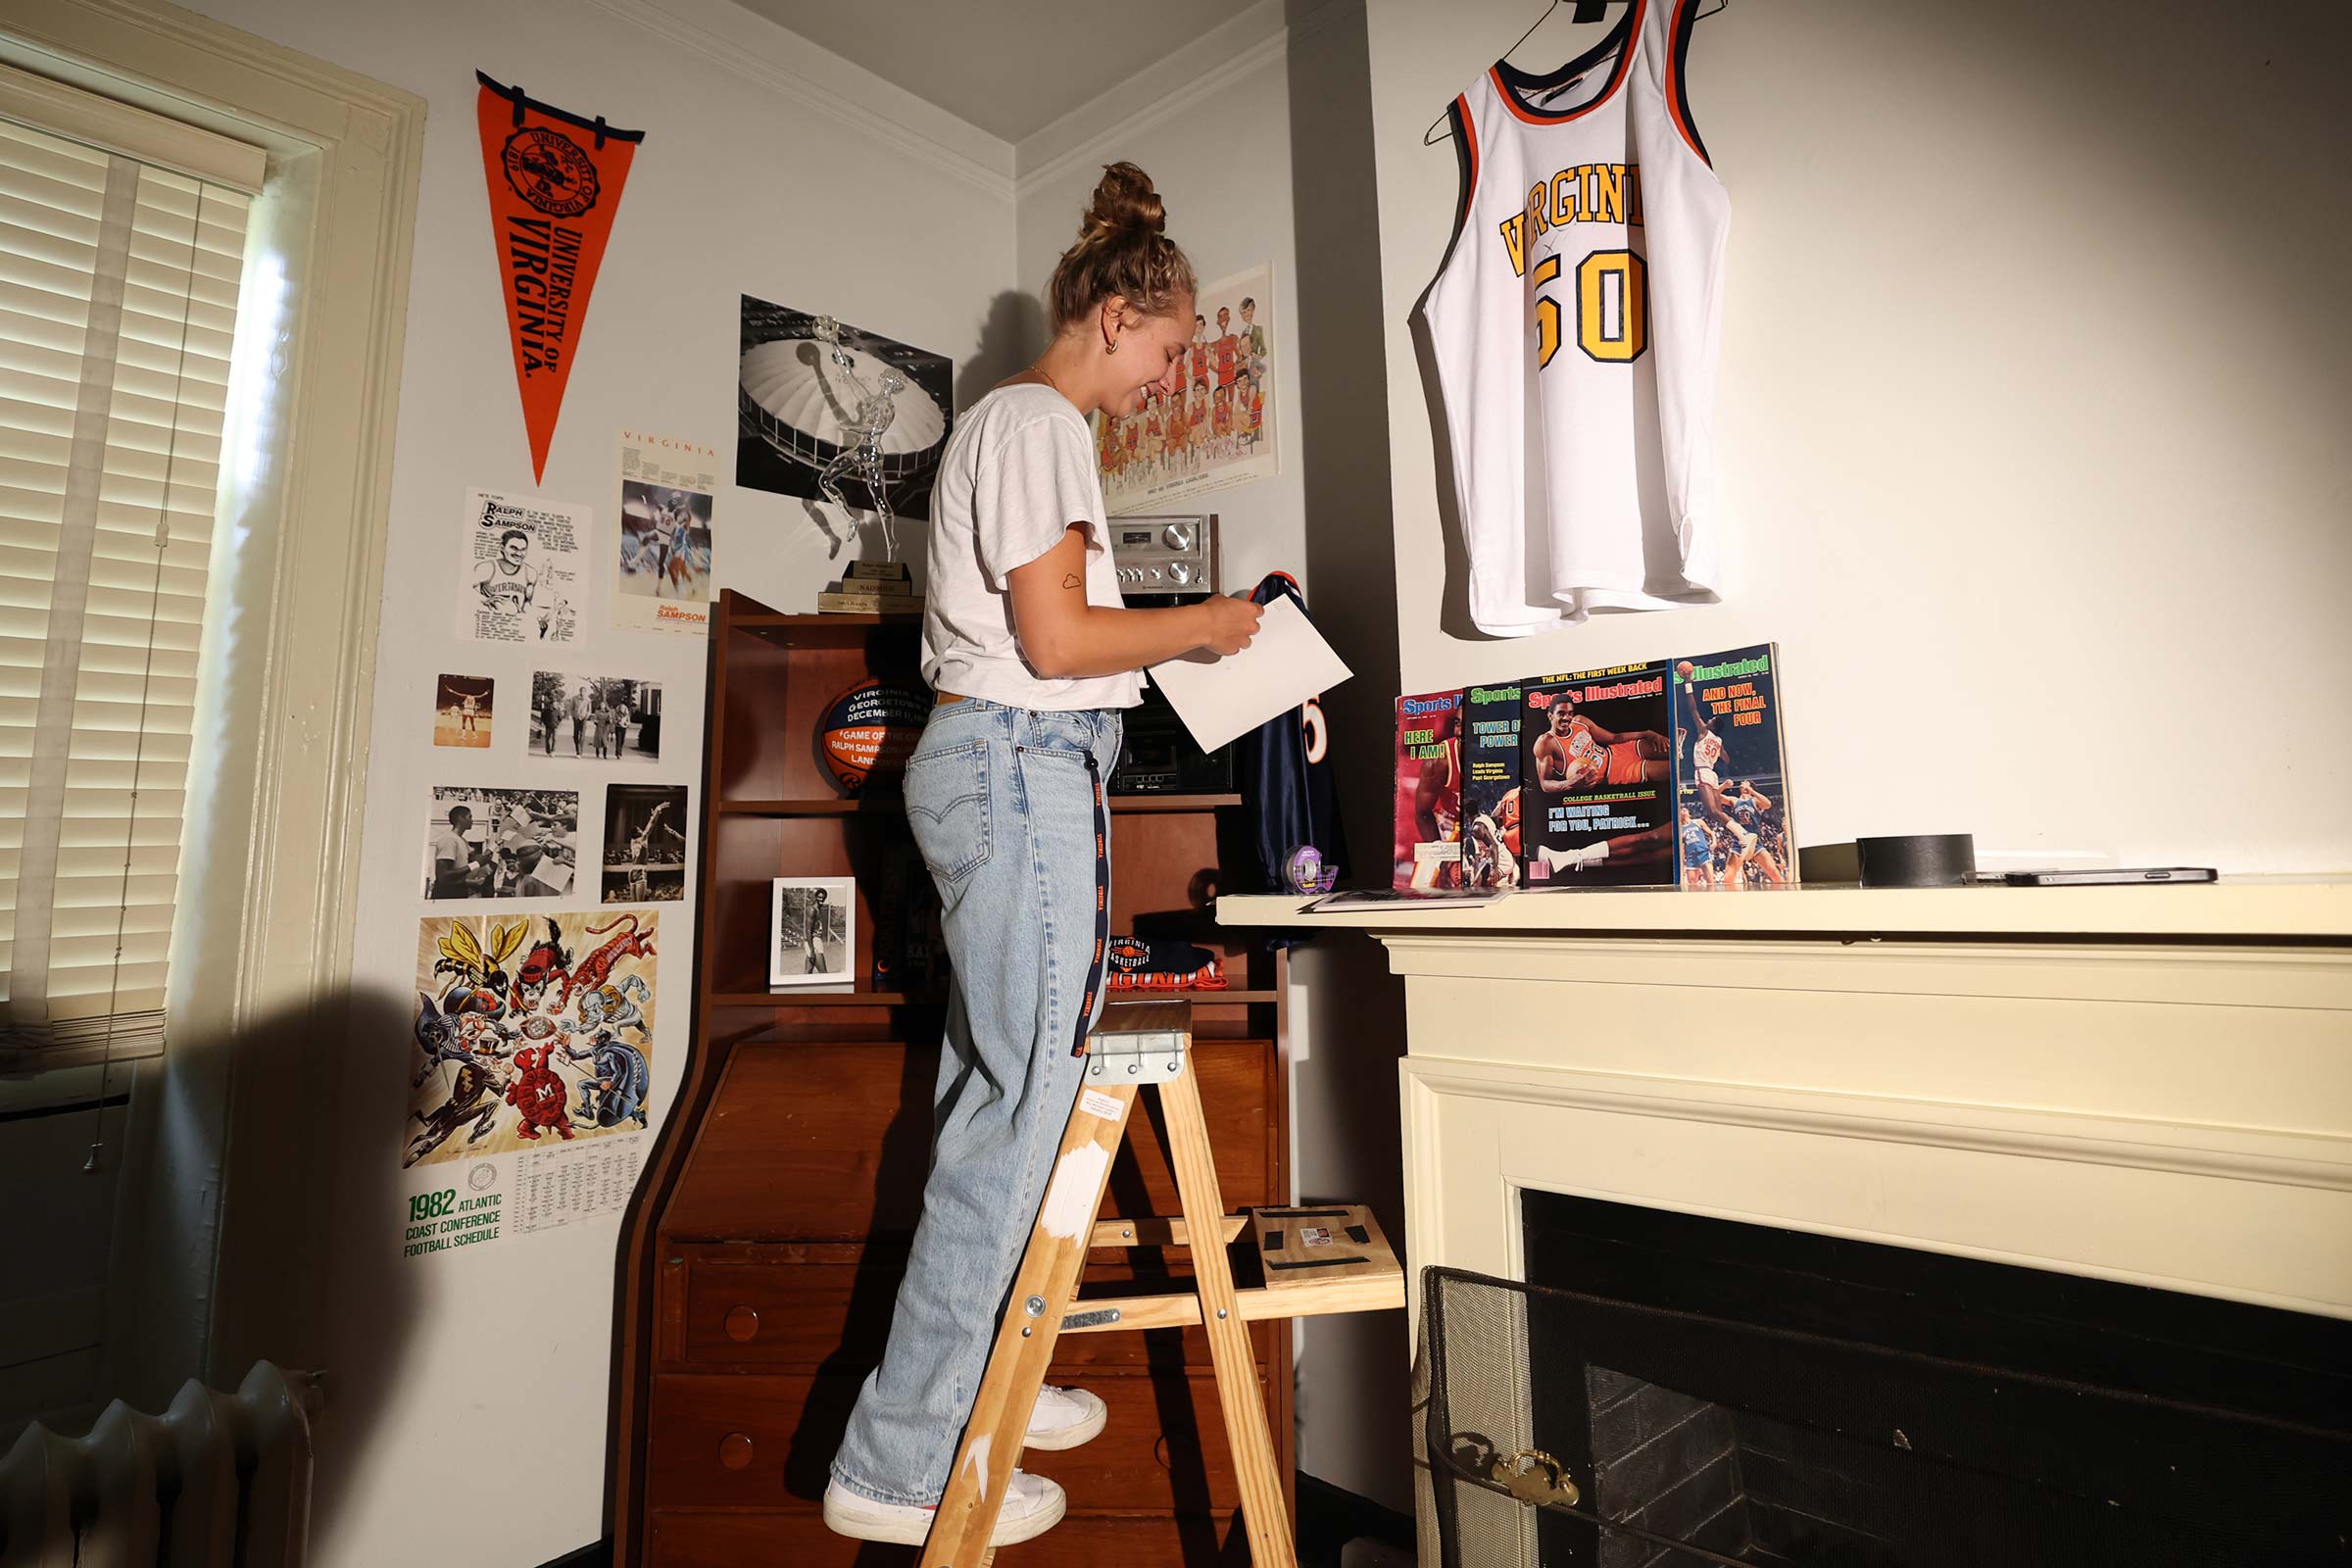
1917	861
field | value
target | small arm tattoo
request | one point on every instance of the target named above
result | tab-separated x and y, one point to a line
1070	580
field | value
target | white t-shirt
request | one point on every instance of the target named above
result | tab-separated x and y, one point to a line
1017	472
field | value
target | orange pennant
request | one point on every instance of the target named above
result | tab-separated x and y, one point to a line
554	183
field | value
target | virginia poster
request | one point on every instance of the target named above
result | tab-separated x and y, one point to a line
662	572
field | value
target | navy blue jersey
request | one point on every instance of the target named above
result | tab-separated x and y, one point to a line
1286	774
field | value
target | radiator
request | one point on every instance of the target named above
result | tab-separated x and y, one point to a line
218	1480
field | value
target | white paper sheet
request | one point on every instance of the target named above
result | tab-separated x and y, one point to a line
1287	662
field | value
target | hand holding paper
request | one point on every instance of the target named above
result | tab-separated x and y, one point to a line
1221	699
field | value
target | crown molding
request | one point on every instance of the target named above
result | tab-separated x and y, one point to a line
1235	47
772	56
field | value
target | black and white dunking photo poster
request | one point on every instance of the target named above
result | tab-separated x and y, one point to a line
645	843
800	410
519	568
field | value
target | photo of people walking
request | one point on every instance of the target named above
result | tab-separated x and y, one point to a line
597	718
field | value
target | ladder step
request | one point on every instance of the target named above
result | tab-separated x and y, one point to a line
1153	1232
1307	1247
1359	1293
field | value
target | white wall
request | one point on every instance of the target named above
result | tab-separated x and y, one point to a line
2032	418
469	1387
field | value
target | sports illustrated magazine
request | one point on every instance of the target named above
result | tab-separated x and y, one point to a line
1428	792
1732	826
1596	780
1490	797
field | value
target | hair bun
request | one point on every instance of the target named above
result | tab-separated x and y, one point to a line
1125	202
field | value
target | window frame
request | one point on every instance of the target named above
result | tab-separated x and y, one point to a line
260	949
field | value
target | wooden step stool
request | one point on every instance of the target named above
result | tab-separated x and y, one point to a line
1329	1259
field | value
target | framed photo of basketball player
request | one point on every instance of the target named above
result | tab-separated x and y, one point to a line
811	937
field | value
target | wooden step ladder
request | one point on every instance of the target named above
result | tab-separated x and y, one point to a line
1328	1259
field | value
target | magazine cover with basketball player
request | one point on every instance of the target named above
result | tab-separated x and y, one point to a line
1596	780
1490	787
1428	792
1733	828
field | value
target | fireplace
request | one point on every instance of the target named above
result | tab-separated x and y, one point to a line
1718	1392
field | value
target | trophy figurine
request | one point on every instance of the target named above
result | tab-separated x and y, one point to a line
859	459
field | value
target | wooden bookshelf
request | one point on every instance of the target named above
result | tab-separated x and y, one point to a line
762	1252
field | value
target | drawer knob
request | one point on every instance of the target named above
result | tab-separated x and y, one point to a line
743	1323
735	1450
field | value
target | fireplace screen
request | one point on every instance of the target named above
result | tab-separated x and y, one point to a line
1565	1429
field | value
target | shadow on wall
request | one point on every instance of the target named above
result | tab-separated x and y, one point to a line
293	1212
1353	1388
1013	333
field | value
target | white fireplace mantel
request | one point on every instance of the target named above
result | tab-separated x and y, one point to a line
2148	1083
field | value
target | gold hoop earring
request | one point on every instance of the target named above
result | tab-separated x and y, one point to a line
1111	347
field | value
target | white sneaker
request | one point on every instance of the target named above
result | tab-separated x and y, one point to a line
1063	1418
1032	1506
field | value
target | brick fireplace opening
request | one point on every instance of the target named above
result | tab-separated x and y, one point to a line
1724	1393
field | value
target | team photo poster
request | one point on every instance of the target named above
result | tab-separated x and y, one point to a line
518	567
662	572
1218	430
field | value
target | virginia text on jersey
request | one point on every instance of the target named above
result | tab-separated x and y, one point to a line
1575	322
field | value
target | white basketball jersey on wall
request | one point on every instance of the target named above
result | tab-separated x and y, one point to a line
1576	324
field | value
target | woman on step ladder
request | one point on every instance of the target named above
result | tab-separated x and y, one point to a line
1032	655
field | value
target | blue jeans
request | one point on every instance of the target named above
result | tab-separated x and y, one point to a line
1006	807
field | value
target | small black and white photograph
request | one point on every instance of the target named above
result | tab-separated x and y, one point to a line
595	719
814	394
645	843
809	932
501	844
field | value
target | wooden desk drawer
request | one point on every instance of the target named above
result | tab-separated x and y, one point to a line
768	1442
742	1310
832	1143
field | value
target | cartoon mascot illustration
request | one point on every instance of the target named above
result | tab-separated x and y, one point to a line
539	1095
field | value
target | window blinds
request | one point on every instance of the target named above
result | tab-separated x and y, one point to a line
118	304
